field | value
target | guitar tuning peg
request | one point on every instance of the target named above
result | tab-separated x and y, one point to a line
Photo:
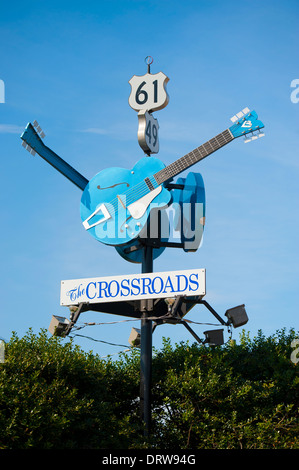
261	134
254	137
38	129
28	148
239	115
247	139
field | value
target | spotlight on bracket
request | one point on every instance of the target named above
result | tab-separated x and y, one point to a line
58	325
214	337
237	316
135	338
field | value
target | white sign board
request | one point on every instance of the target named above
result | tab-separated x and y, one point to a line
148	92
134	286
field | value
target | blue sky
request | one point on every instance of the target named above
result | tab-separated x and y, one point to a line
67	65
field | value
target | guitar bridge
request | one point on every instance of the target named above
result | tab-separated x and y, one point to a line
102	208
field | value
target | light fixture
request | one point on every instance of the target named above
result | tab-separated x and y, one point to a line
58	325
214	337
237	316
135	338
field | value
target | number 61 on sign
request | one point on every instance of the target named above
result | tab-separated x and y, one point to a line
148	92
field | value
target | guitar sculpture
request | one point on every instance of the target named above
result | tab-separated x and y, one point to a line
116	203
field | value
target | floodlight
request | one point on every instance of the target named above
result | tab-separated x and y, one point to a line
58	325
237	316
214	337
135	337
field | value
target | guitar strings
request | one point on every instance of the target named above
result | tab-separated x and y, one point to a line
141	188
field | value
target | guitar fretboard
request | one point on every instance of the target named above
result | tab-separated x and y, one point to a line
193	157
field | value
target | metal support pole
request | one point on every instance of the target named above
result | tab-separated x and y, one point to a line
192	332
146	307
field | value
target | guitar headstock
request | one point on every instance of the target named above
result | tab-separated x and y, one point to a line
32	136
246	122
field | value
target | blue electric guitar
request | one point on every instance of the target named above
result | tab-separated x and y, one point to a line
117	203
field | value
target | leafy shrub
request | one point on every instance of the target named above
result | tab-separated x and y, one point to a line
54	395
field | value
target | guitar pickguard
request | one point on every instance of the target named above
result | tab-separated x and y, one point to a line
137	209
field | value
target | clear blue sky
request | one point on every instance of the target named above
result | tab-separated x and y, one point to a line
67	65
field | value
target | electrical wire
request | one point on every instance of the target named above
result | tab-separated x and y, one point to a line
164	317
100	340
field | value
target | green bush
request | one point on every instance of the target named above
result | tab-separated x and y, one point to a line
54	395
237	396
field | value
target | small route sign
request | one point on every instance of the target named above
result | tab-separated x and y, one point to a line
148	138
148	92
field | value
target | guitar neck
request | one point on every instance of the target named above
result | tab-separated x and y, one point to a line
32	138
193	157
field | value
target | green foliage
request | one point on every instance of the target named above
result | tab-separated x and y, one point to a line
236	396
54	395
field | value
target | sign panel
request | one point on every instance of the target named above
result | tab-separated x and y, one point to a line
148	92
134	286
148	132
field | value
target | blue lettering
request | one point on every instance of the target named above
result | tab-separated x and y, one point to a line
146	282
72	294
168	284
161	285
104	288
76	293
125	287
117	288
87	290
134	286
194	282
179	283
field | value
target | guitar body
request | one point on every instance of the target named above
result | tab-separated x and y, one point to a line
116	203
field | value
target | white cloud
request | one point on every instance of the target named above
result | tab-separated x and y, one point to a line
10	129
